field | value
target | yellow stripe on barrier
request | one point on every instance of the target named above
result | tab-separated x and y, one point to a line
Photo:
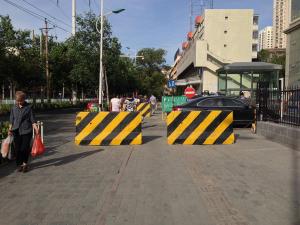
108	128
185	123
201	128
219	130
126	131
144	109
172	116
80	116
112	125
90	127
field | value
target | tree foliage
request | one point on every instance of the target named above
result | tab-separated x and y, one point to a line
74	63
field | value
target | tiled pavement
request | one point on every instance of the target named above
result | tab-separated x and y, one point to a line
254	182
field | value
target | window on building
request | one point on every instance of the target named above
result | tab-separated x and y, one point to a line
254	47
225	31
225	45
295	9
226	17
255	20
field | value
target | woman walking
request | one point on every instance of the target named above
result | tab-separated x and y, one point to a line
22	123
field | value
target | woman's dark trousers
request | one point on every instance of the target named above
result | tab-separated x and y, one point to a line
22	147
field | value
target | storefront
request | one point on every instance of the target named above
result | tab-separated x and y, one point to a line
245	77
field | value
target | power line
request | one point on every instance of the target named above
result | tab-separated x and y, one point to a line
61	10
46	13
34	14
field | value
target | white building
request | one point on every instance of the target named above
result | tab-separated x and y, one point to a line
266	38
222	36
293	46
281	18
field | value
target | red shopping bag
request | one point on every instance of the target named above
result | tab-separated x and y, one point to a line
38	147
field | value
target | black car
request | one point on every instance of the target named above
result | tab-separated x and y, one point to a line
243	113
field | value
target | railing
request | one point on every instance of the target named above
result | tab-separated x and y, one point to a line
11	102
280	106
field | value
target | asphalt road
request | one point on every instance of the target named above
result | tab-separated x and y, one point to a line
254	181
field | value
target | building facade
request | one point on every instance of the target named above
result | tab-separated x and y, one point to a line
293	46
281	18
266	38
222	36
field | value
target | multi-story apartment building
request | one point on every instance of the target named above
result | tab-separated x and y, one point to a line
266	38
281	19
222	36
293	45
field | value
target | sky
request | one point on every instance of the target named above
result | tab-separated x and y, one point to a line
143	24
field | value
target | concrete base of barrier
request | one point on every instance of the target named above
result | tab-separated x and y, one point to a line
108	128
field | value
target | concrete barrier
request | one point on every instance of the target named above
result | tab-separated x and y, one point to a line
144	109
200	127
108	128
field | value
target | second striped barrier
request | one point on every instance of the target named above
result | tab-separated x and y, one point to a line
108	128
144	109
200	127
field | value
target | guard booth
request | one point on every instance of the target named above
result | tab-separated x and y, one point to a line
246	76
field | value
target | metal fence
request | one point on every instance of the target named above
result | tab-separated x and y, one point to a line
280	106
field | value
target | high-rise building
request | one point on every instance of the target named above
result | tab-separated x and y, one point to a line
266	38
222	36
293	45
280	22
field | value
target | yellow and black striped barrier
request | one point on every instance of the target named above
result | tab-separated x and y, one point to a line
108	128
144	109
200	127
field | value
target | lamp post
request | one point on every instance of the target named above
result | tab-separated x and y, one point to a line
101	48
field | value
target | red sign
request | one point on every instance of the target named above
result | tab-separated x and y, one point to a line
189	92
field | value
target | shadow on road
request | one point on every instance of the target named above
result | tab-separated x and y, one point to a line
62	160
242	137
147	139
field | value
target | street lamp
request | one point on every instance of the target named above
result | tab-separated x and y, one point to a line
101	47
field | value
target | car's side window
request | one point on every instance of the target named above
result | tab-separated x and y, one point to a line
232	103
210	103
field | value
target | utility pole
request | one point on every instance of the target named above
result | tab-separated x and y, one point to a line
46	28
73	17
47	62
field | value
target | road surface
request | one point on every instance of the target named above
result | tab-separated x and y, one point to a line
254	181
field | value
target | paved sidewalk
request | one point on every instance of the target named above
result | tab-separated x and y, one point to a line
254	182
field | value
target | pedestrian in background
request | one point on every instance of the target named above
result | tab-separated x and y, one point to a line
153	104
115	104
22	124
130	104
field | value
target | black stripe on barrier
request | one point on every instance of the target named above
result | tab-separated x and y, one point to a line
119	128
100	127
132	135
143	107
212	127
178	120
223	137
83	123
190	129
